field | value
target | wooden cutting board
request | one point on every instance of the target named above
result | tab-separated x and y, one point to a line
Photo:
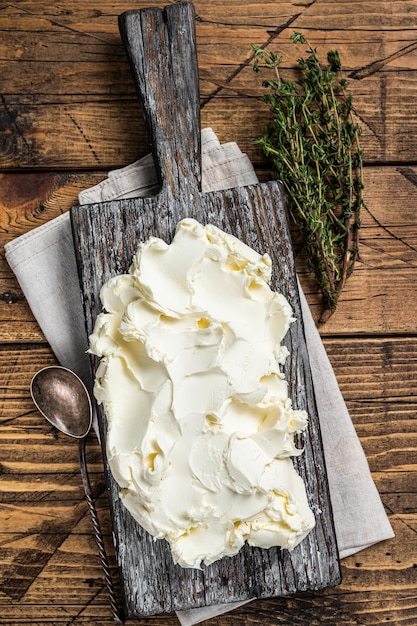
162	52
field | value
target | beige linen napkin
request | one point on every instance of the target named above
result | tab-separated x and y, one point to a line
43	261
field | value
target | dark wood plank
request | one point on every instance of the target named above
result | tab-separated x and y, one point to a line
379	584
388	251
51	101
34	132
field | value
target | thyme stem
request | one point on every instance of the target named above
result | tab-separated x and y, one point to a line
313	145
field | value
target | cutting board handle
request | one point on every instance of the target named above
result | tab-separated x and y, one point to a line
161	48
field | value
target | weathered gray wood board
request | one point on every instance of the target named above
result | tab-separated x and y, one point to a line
161	49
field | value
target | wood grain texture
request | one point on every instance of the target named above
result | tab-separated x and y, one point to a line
61	70
68	113
45	497
369	302
256	215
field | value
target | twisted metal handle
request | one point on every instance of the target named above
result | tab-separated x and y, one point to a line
117	616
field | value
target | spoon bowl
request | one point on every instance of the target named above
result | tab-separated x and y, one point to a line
62	398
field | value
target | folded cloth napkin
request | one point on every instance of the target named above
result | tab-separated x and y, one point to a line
43	261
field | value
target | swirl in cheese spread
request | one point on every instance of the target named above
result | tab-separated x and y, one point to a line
200	426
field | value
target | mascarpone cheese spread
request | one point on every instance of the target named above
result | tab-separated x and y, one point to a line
200	426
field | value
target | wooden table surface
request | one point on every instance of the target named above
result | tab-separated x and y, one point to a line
68	114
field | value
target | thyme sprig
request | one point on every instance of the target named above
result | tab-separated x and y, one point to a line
313	145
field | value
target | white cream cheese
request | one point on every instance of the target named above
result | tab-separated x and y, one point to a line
200	426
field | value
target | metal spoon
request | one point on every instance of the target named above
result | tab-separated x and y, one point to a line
64	401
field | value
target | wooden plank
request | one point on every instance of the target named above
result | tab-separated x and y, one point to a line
255	215
53	124
34	134
76	580
388	249
378	391
379	583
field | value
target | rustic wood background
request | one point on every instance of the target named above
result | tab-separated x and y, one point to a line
68	114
